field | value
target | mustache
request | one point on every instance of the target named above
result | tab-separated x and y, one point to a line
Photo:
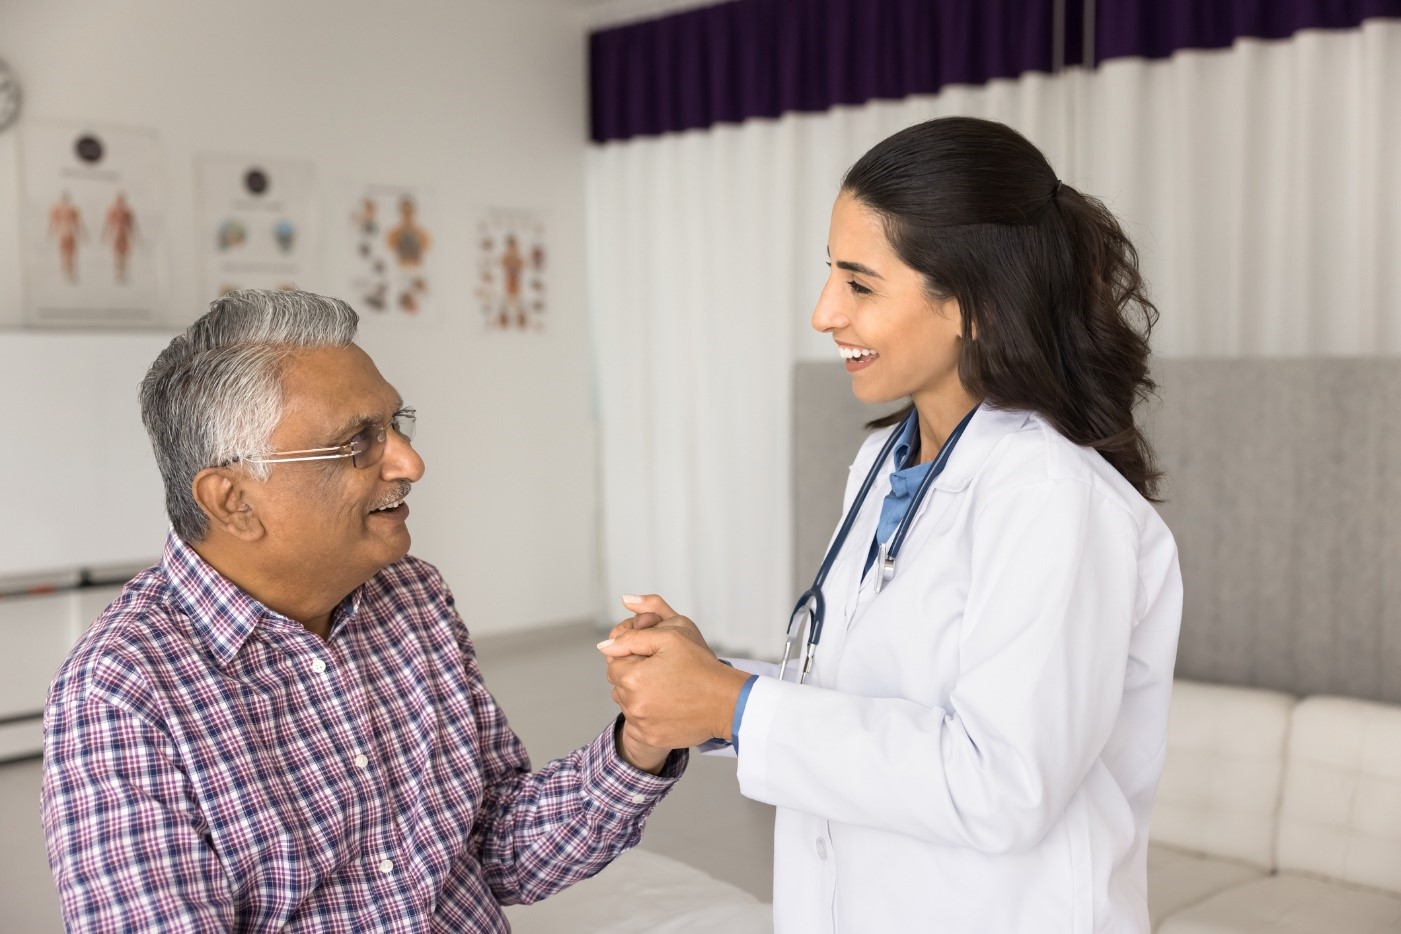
400	492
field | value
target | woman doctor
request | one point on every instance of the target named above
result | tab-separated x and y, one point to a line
977	743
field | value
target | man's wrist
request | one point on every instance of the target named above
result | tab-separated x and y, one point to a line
640	756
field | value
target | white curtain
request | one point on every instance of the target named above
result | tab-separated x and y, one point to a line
1260	184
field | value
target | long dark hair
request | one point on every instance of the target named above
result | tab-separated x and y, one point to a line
1056	316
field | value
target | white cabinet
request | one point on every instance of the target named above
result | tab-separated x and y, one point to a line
20	739
36	632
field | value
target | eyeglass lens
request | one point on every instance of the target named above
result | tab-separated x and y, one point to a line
368	446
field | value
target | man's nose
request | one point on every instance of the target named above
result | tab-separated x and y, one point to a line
401	461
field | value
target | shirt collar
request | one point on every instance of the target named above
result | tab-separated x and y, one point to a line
909	437
221	614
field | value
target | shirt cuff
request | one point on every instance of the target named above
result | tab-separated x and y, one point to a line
626	788
739	711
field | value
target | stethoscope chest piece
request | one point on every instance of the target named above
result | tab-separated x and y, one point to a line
885	567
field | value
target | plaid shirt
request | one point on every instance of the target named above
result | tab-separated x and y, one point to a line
212	765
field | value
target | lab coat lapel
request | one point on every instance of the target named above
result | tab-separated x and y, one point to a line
984	432
848	591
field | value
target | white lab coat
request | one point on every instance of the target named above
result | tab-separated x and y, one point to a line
978	745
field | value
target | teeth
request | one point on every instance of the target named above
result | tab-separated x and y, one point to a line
856	353
393	505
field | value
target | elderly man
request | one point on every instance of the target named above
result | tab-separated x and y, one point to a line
282	725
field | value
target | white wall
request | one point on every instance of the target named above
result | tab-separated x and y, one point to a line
483	101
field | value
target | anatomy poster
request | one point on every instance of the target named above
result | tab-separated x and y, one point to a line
390	250
511	269
93	225
255	224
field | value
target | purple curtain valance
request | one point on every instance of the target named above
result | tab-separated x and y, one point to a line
1158	28
733	61
763	58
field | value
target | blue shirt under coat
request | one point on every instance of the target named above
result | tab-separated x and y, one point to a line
904	482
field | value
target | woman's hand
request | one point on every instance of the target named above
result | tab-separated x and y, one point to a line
672	689
651	611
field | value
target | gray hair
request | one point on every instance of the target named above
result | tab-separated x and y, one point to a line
214	394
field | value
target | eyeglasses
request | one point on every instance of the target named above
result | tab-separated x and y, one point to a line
364	450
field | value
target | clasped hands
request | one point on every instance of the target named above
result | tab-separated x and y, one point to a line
673	691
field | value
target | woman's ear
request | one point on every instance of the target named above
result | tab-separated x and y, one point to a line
969	325
221	494
950	310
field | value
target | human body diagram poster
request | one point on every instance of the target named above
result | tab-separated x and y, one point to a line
512	262
255	224
391	251
93	225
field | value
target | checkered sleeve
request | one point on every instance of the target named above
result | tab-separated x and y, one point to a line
124	835
540	832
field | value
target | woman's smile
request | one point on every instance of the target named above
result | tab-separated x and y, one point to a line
857	358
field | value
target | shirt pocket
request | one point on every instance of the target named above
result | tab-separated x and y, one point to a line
287	803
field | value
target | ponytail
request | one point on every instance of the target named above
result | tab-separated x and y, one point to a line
1106	321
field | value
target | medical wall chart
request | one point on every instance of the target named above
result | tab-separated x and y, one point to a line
255	224
512	269
92	225
388	251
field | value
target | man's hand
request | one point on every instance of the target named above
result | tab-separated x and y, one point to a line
672	689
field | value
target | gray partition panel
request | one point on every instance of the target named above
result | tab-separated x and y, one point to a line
1284	493
828	427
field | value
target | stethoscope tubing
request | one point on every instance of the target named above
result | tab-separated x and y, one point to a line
812	600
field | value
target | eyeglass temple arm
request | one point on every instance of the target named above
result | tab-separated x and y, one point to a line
279	459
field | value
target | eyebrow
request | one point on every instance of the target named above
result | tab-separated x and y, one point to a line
859	268
360	421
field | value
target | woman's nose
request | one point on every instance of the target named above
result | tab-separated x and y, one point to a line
829	315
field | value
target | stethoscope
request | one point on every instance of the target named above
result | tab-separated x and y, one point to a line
811	603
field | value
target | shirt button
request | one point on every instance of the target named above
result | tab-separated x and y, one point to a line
386	866
318	666
638	798
821	848
361	761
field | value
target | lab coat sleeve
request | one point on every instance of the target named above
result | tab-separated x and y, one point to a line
718	748
1043	654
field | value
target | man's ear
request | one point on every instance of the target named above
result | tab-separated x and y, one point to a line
220	493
